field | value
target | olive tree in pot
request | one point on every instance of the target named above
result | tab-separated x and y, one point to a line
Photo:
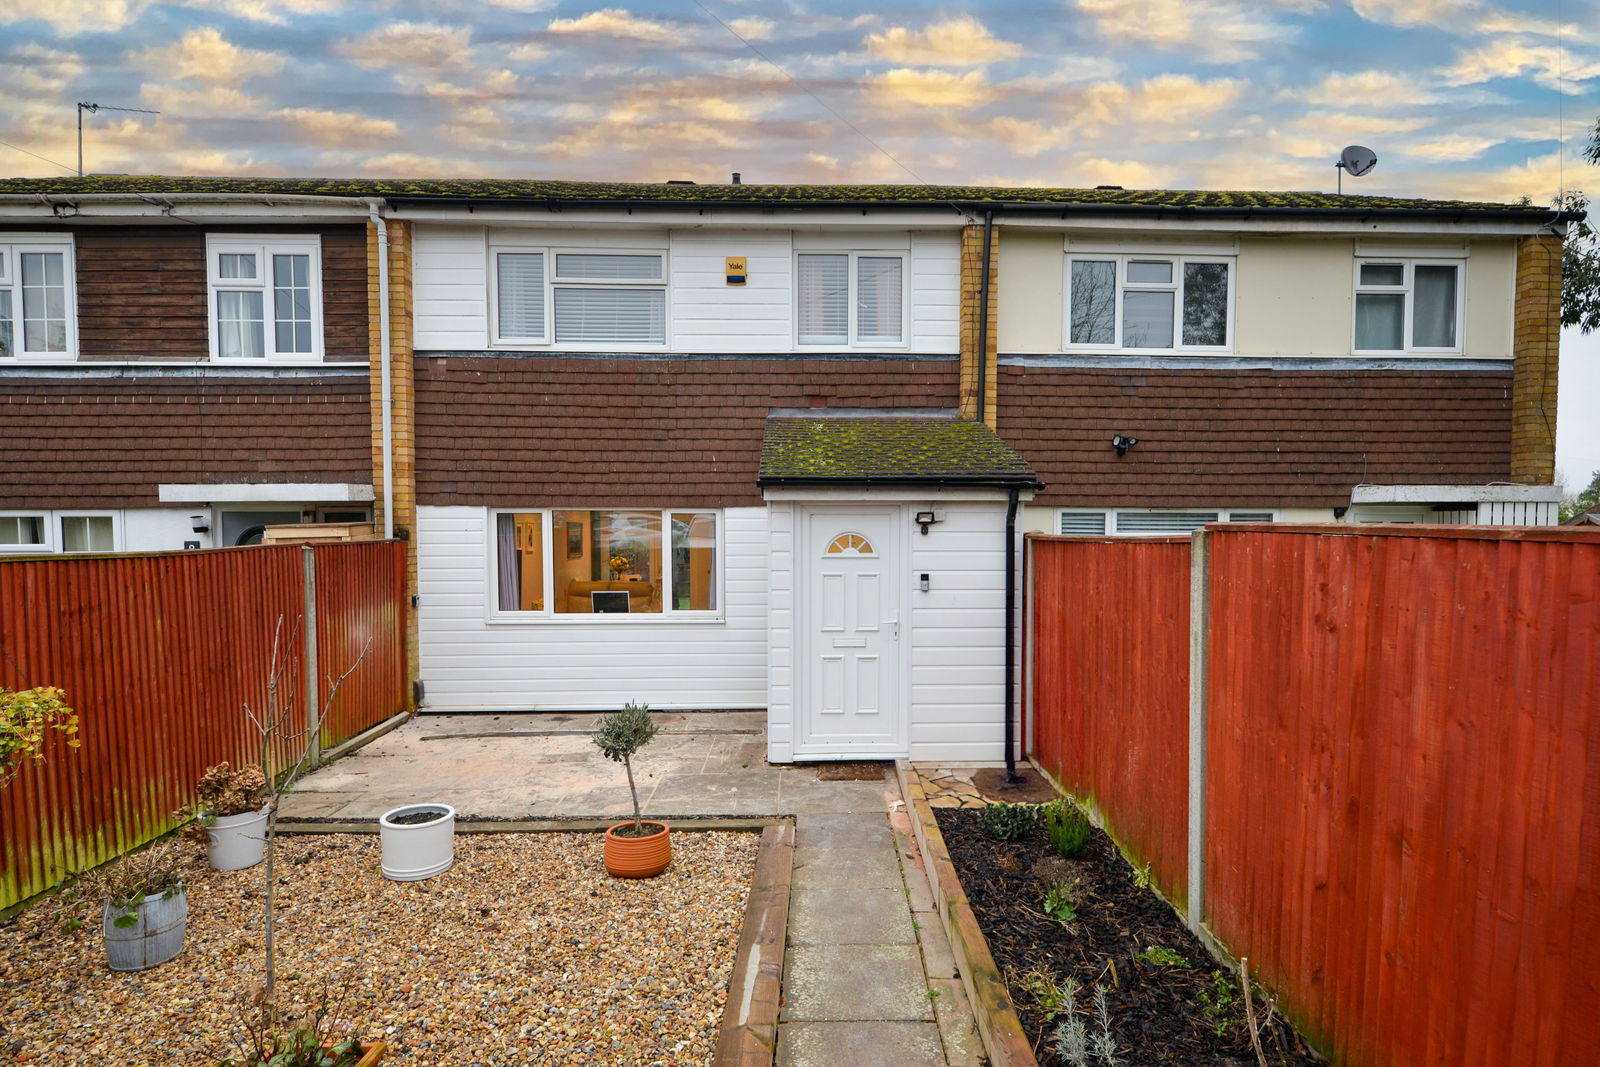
640	848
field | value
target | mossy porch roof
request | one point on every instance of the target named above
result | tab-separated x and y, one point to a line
487	189
888	449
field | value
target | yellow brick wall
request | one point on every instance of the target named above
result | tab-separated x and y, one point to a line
1535	345
402	383
971	351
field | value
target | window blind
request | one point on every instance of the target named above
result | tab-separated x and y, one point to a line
589	266
879	296
521	295
824	299
1163	521
1092	523
619	316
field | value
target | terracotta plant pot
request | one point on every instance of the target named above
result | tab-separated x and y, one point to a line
638	857
371	1053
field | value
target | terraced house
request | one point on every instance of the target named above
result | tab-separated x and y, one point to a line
750	445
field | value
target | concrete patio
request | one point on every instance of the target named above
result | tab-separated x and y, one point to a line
868	976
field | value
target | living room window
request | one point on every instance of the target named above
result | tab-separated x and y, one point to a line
59	531
36	300
1407	305
579	299
265	297
1149	303
620	561
850	299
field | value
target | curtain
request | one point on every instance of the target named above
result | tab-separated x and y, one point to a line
510	562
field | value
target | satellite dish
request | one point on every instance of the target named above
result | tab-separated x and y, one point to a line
1358	160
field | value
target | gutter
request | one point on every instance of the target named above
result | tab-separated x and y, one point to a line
375	213
1016	482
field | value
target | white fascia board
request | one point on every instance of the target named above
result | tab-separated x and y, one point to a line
266	493
1454	494
1369	226
687	217
233	213
864	495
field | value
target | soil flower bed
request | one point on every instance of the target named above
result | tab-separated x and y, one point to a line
1167	1001
526	951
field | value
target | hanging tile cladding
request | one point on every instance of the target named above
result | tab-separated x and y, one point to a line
647	432
142	292
109	442
1244	437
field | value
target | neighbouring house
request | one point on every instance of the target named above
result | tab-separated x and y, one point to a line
755	446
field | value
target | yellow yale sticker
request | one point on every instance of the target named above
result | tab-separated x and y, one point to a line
736	272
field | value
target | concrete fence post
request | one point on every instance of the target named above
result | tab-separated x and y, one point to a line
308	559
1199	648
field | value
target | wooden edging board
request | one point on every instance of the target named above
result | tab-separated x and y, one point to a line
748	1036
998	1025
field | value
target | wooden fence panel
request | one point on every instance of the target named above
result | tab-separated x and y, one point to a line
158	654
1109	635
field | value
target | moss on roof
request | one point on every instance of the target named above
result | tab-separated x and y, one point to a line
570	191
888	448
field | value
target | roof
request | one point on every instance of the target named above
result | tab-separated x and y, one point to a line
1104	199
888	449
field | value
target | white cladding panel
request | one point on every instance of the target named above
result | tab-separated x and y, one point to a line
704	313
469	663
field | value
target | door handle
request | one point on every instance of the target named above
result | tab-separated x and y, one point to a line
894	625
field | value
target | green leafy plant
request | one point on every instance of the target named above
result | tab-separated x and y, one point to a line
313	1039
1073	1039
1067	827
1009	822
26	717
1051	997
620	736
1060	900
1219	1001
1161	956
1141	876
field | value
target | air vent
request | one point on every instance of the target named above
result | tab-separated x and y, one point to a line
1174	522
1090	523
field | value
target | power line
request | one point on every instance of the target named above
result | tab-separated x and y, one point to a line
36	155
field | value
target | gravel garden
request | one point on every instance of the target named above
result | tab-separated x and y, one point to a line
525	951
1100	969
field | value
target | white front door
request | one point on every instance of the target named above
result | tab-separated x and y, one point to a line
849	599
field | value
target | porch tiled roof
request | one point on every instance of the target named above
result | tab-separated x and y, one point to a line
889	449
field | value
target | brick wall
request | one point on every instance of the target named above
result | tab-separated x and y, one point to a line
974	355
1536	347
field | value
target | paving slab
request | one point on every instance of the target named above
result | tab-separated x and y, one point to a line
849	830
846	868
958	1029
855	1044
849	917
852	983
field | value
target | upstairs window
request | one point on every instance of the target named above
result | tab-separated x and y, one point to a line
36	301
266	298
1149	303
1407	305
850	299
580	299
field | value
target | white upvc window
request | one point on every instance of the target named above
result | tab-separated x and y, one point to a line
851	299
1408	305
24	531
579	298
587	564
37	305
1149	303
1151	522
59	531
265	297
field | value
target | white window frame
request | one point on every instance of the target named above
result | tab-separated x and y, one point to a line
551	255
12	247
549	616
117	541
852	299
53	540
263	247
48	520
1122	259
1407	289
1111	515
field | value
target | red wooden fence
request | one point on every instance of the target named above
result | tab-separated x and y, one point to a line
1109	631
158	654
1402	797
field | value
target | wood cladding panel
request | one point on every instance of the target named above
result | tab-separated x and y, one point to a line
142	293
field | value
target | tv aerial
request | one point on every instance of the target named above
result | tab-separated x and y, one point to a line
93	108
1356	159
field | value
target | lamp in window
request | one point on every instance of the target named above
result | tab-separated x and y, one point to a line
1122	442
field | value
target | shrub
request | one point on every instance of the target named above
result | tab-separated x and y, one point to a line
620	736
1068	828
25	715
124	883
1060	900
1009	822
1161	956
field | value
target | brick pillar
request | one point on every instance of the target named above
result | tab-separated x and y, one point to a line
402	414
971	351
1536	344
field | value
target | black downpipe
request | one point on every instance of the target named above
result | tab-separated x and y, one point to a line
983	320
1011	630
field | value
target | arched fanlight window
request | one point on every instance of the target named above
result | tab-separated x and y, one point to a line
850	544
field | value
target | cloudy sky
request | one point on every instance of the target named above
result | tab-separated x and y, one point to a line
1461	98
